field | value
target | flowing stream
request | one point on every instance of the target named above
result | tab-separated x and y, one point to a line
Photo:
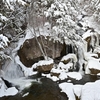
41	88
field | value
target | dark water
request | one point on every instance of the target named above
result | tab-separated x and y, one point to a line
86	78
47	89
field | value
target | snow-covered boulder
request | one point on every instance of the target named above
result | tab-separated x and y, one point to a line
97	51
94	66
44	66
69	57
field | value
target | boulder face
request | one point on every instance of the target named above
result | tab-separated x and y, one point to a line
30	52
44	68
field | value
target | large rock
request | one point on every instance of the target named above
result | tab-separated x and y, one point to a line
30	52
44	68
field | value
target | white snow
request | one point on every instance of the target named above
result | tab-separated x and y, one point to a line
64	67
29	33
97	50
45	62
77	90
94	63
54	78
63	76
11	91
45	31
69	56
91	91
87	34
27	71
68	89
4	91
74	75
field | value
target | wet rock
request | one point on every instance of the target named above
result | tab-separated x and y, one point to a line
44	68
55	74
94	71
88	40
47	90
66	61
30	52
77	98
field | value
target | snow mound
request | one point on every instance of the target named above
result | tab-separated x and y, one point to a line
75	75
91	91
72	56
45	62
68	89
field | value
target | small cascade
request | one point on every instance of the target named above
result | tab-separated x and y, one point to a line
12	70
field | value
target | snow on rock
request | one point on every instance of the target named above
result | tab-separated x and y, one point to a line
54	78
65	67
63	76
77	90
91	91
11	91
29	33
89	55
95	64
45	62
27	71
97	50
4	91
45	65
74	75
70	56
68	89
92	63
87	34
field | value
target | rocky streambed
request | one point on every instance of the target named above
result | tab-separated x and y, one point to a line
47	89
